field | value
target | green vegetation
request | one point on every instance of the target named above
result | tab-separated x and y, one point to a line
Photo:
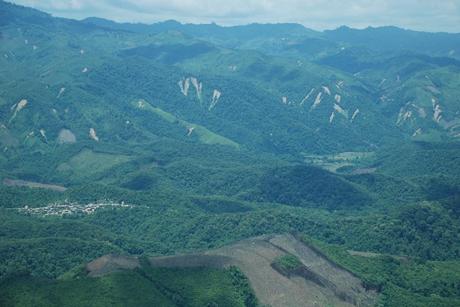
288	263
88	163
204	135
143	287
326	134
401	280
304	186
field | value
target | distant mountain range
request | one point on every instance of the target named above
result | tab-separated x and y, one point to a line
359	82
377	39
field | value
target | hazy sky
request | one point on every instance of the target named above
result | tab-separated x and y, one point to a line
426	15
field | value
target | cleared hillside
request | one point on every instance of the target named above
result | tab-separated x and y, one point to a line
318	282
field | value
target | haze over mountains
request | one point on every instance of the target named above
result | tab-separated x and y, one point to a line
426	15
151	140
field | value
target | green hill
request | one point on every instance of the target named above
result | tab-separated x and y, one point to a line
161	139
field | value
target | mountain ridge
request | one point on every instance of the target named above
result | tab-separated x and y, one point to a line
177	141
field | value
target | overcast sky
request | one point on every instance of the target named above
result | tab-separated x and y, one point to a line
426	15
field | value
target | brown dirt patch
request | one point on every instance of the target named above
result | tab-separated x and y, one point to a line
319	282
255	256
111	263
31	184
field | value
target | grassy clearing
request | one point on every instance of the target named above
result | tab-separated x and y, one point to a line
88	162
204	135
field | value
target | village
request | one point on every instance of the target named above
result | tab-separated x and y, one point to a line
67	208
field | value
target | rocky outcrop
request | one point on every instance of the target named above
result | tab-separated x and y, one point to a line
61	92
307	96
18	107
338	98
437	111
198	87
354	115
317	101
184	85
331	118
93	135
215	99
340	110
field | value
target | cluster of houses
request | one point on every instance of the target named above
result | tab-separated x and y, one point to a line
71	208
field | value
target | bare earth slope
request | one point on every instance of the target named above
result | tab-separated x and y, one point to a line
319	282
31	184
323	284
111	263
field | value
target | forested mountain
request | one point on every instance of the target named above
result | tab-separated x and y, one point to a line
153	140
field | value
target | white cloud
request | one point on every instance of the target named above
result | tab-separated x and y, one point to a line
428	15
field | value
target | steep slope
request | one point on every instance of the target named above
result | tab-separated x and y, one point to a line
143	287
315	281
72	89
417	93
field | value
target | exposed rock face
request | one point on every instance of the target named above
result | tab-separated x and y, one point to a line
215	99
66	137
61	92
341	111
403	116
198	87
141	104
18	107
184	85
437	111
31	134
417	132
93	135
43	134
354	115
317	101
307	96
331	118
338	98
